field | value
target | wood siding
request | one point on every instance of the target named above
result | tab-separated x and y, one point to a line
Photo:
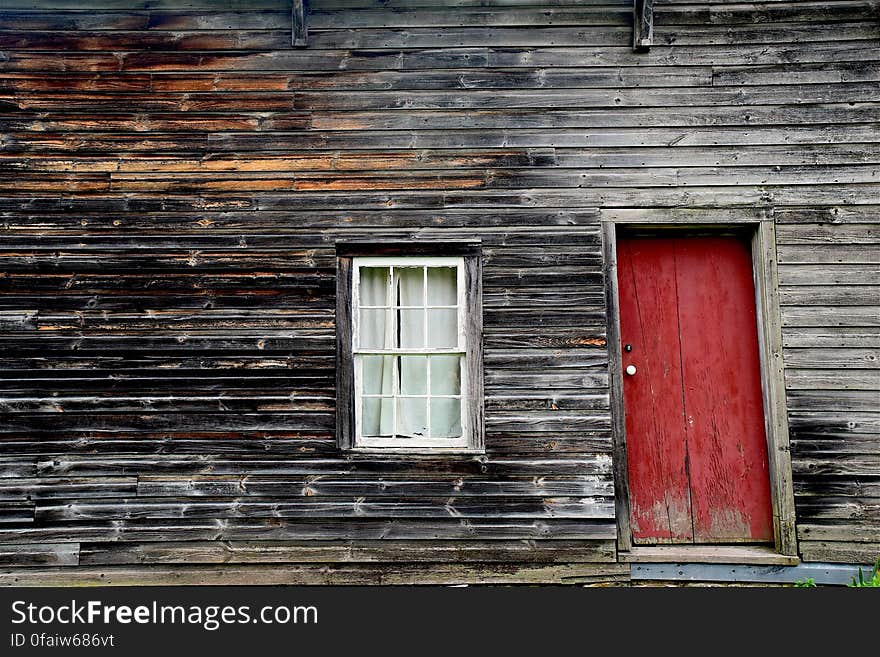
172	184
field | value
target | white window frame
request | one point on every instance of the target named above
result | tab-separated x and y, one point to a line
463	349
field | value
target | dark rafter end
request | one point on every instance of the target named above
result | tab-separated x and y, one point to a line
299	35
643	25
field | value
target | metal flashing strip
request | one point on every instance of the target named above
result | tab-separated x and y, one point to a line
821	573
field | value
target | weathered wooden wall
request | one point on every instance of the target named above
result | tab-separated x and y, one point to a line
172	181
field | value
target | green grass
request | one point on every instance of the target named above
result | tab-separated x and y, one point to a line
873	578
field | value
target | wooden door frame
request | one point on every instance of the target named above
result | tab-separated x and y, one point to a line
763	246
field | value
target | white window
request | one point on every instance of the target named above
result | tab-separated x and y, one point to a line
410	352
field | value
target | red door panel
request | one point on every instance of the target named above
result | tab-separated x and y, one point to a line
730	482
694	412
661	506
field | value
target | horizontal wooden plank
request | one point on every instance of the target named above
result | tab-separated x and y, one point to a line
829	400
839	234
16	512
140	19
426	35
120	465
833	358
796	73
829	295
830	254
343	39
328	508
694	115
487	178
66	487
286	530
831	315
384	573
105	5
840	274
830	337
323	19
526	443
279	223
562	162
362	15
838	486
746	195
390	485
494	138
839	551
833	379
328	5
347	552
844	508
478	99
267	342
851	465
837	531
232	443
170	404
391	59
765	12
345	161
399	80
39	555
833	443
584	15
838	215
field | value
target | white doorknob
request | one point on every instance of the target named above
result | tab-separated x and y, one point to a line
630	369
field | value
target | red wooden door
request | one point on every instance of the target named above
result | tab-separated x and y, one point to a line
694	411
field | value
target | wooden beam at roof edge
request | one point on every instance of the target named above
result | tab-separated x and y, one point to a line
299	32
643	25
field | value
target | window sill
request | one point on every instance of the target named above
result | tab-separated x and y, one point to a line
731	554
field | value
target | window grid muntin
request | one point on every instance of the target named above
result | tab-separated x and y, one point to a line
392	263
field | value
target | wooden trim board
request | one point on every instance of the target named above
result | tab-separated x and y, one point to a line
770	346
615	359
773	378
748	554
643	25
470	268
299	30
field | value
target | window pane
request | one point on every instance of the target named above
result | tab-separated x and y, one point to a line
445	375
442	286
409	286
411	329
443	328
376	416
377	375
445	417
413	375
412	417
374	286
375	329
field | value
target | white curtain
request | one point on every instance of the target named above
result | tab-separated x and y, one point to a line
412	412
400	323
375	333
